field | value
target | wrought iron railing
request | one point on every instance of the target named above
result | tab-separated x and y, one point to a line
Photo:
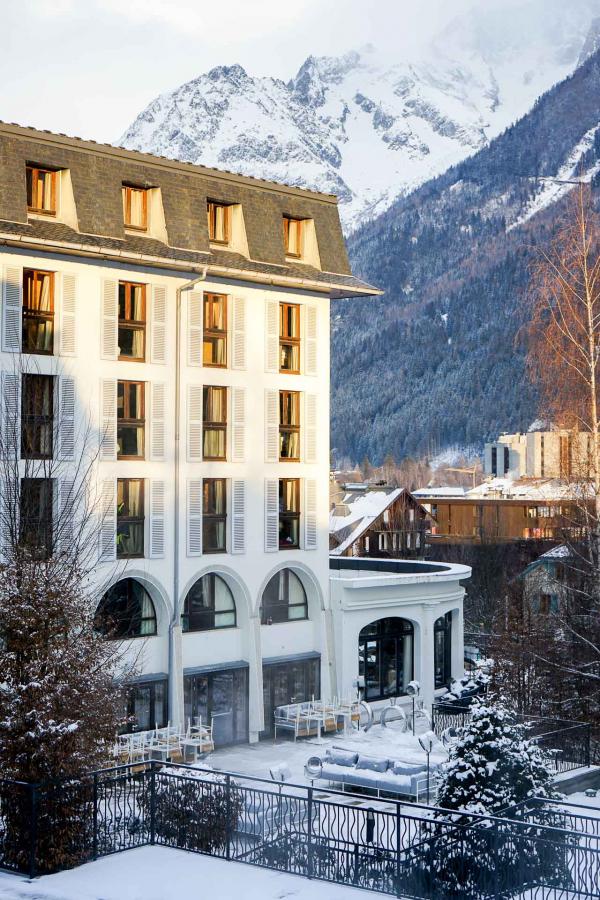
412	851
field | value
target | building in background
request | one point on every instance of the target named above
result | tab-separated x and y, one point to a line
538	454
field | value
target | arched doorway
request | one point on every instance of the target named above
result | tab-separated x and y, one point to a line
386	657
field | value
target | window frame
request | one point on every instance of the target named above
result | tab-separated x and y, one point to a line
269	619
286	236
208	518
127	421
287	515
211	613
132	520
43	525
289	429
208	425
35	174
129	581
287	340
134	325
127	193
211	208
215	333
372	641
35	420
28	314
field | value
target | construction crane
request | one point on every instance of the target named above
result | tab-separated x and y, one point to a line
465	470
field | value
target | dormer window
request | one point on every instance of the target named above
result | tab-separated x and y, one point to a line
41	190
135	207
293	236
219	222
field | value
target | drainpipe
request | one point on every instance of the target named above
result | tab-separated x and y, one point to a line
175	671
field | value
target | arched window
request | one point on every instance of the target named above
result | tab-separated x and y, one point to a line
126	611
209	604
442	631
385	657
283	599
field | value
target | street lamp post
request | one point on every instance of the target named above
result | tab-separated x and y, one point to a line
412	689
426	743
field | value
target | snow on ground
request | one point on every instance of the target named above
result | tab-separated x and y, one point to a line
159	873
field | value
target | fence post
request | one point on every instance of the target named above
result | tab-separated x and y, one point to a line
95	844
398	850
34	808
228	814
309	853
588	742
152	802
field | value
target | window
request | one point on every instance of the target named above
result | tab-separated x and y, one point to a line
209	605
506	459
126	610
219	698
283	599
130	420
292	236
214	351
494	460
130	517
37	424
296	681
289	425
38	311
35	516
135	208
214	515
146	706
289	513
132	321
289	337
41	190
214	431
219	222
442	637
385	657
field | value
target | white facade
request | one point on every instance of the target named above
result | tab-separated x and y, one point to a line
538	454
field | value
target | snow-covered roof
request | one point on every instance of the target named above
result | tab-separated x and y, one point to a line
362	509
432	492
560	552
524	489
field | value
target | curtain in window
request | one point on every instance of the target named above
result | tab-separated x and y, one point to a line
136	199
45	190
148	624
220	232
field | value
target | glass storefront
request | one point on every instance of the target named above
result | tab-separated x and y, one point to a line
147	705
289	682
442	635
385	657
220	698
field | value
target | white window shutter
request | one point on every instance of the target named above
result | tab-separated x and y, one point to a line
9	514
310	428
194	415
157	518
195	329
68	310
110	319
271	426
108	524
238	516
11	309
271	515
157	419
238	430
310	348
65	526
66	417
310	514
238	334
108	418
194	517
11	409
272	336
158	324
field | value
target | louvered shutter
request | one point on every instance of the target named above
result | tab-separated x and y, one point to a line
157	420
9	515
271	515
158	324
310	428
64	533
310	351
194	517
108	418
272	336
271	426
310	514
238	355
157	518
68	309
238	516
11	407
11	309
110	318
194	416
238	428
66	417
195	329
108	524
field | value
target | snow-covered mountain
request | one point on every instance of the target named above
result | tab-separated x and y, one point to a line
369	127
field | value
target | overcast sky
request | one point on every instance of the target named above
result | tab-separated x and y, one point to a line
102	61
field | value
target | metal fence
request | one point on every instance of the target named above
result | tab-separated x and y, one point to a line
565	744
541	850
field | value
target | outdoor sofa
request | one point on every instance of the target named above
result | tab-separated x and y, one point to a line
378	773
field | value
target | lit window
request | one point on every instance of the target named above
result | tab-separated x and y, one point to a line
219	222
38	311
289	337
214	431
289	425
214	351
132	321
292	236
41	190
130	420
289	513
135	208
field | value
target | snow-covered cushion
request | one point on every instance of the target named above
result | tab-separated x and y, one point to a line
372	763
341	757
402	768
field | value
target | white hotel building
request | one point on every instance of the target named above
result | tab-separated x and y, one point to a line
183	314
